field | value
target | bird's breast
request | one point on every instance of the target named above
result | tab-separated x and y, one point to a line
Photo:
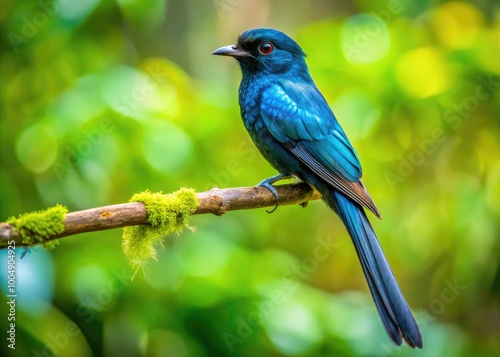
250	98
250	95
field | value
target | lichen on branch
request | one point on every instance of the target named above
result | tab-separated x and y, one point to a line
39	226
166	214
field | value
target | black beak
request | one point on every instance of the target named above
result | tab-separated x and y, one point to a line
231	51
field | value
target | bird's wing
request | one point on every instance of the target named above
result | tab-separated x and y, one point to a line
303	122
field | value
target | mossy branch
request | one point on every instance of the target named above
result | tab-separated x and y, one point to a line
216	201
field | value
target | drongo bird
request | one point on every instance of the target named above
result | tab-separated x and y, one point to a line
293	127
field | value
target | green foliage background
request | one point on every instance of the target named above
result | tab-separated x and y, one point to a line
103	99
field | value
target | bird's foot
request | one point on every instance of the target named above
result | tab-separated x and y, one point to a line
268	183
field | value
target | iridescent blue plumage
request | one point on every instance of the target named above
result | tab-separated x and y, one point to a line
293	127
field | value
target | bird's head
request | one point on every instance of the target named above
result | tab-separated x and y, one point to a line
266	51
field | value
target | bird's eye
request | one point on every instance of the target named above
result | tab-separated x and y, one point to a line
266	48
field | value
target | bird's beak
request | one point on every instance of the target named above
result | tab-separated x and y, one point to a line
231	51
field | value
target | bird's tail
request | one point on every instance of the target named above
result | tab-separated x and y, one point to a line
391	305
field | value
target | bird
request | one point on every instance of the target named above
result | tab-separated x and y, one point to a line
294	128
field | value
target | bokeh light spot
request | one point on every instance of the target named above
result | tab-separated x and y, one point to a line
457	24
35	275
36	148
423	73
365	39
293	329
357	113
77	10
166	147
91	281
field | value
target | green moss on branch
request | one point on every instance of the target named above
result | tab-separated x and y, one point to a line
167	214
37	227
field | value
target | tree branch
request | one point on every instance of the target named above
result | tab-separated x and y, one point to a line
216	201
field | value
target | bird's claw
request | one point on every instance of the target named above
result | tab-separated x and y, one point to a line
274	209
268	183
271	188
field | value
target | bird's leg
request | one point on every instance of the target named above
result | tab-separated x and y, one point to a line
268	183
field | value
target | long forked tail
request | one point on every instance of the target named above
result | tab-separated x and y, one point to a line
391	305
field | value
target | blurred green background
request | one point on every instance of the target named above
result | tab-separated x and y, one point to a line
103	99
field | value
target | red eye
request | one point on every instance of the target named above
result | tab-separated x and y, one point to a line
266	48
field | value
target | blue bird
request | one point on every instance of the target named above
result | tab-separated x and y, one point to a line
293	127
